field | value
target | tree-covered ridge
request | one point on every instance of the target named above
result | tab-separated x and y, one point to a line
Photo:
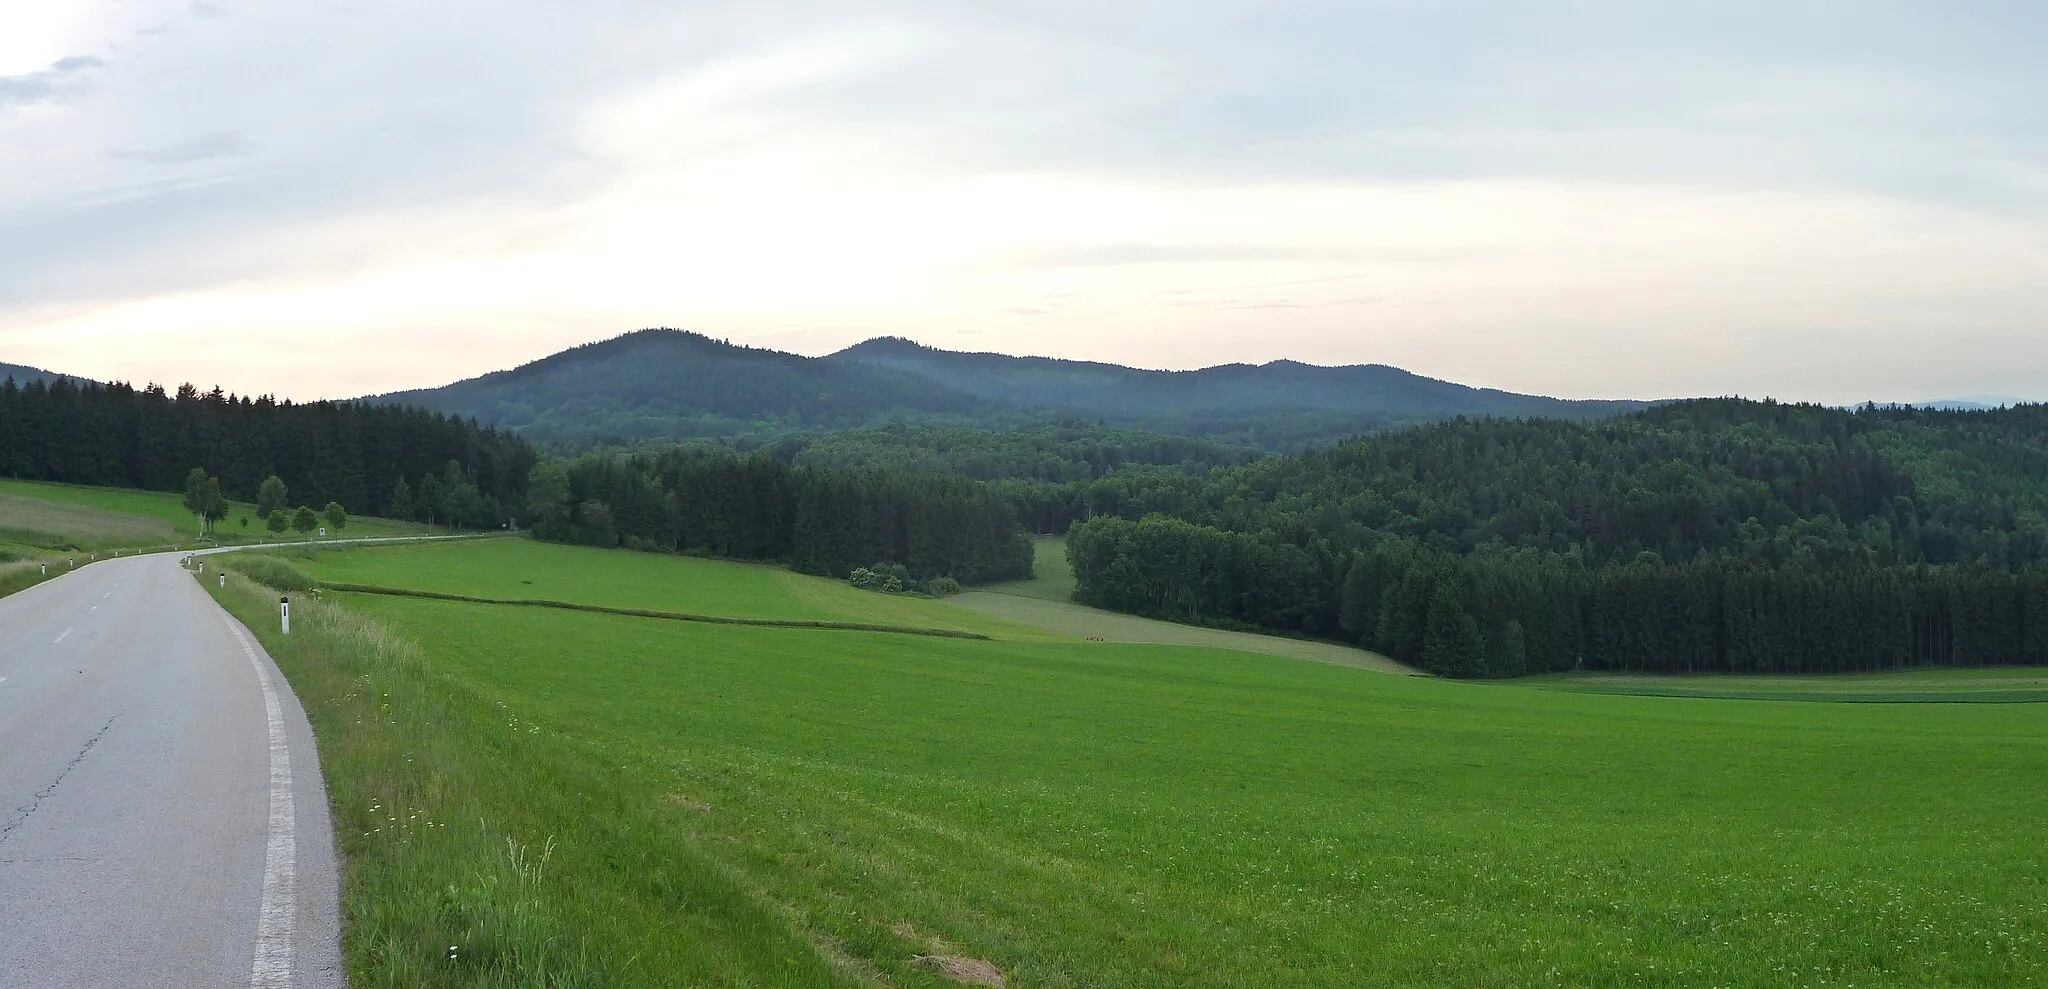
1278	405
820	520
670	385
1709	535
356	454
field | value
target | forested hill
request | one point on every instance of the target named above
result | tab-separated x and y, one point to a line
1279	404
1705	535
668	384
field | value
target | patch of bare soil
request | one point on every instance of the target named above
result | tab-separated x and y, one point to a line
686	802
948	961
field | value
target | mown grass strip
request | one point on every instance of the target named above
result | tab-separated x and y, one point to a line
678	616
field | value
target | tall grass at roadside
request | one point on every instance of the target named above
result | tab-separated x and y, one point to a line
269	570
20	575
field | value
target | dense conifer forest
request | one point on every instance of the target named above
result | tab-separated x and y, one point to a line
1052	452
373	459
1697	536
822	520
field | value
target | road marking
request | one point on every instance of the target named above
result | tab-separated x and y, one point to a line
61	636
278	915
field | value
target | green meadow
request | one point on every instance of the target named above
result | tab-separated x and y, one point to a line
538	797
524	568
41	514
1995	684
1052	577
45	525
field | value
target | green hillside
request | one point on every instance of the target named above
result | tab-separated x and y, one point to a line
521	792
57	516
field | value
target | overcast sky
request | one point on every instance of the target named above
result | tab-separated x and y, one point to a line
324	198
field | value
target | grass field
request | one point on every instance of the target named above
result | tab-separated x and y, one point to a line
92	518
43	524
575	799
1985	684
523	568
1052	577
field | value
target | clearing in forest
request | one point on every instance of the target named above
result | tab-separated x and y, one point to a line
1046	601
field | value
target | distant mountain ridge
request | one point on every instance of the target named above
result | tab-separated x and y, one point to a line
1224	389
671	383
1972	403
675	384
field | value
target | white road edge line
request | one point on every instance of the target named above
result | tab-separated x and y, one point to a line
61	636
277	918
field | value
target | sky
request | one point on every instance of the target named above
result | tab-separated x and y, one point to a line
329	198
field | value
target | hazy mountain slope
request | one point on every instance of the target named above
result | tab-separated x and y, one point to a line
23	374
1274	404
668	383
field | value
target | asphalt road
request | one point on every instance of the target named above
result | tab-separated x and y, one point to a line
162	818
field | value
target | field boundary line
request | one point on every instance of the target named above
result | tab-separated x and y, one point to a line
677	616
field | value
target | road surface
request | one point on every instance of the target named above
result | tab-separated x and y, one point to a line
162	818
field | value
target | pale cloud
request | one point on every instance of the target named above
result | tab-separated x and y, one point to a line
1617	203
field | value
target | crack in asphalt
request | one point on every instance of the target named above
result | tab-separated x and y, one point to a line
22	814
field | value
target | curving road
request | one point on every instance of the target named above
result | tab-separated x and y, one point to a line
162	818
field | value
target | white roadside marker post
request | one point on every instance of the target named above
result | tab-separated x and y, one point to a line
284	613
223	581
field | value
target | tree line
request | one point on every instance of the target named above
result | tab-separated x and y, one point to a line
382	460
1702	536
820	520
